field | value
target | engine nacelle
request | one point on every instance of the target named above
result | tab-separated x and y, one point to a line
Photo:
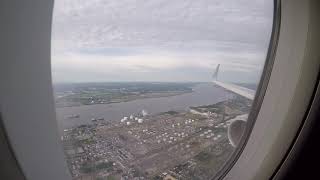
236	129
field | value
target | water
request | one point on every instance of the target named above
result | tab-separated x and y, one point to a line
204	94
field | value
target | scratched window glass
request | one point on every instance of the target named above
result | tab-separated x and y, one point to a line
155	89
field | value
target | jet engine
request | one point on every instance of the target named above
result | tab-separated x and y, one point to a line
236	129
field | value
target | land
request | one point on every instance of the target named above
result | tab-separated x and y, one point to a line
189	144
107	93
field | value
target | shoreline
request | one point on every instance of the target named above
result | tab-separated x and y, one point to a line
134	99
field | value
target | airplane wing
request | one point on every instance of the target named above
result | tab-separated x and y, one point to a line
242	91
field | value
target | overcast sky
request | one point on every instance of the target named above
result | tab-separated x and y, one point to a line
159	40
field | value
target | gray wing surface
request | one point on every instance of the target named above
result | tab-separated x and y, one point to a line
242	91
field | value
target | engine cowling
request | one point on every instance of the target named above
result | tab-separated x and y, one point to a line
236	129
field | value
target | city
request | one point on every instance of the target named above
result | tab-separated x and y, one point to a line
185	144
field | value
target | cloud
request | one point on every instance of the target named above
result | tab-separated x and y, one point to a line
149	66
144	39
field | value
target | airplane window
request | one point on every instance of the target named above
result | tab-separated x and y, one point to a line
155	89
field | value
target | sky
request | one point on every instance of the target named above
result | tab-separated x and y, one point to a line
159	40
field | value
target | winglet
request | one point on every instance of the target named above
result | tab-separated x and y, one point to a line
215	74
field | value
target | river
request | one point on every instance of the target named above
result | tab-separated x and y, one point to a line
203	94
